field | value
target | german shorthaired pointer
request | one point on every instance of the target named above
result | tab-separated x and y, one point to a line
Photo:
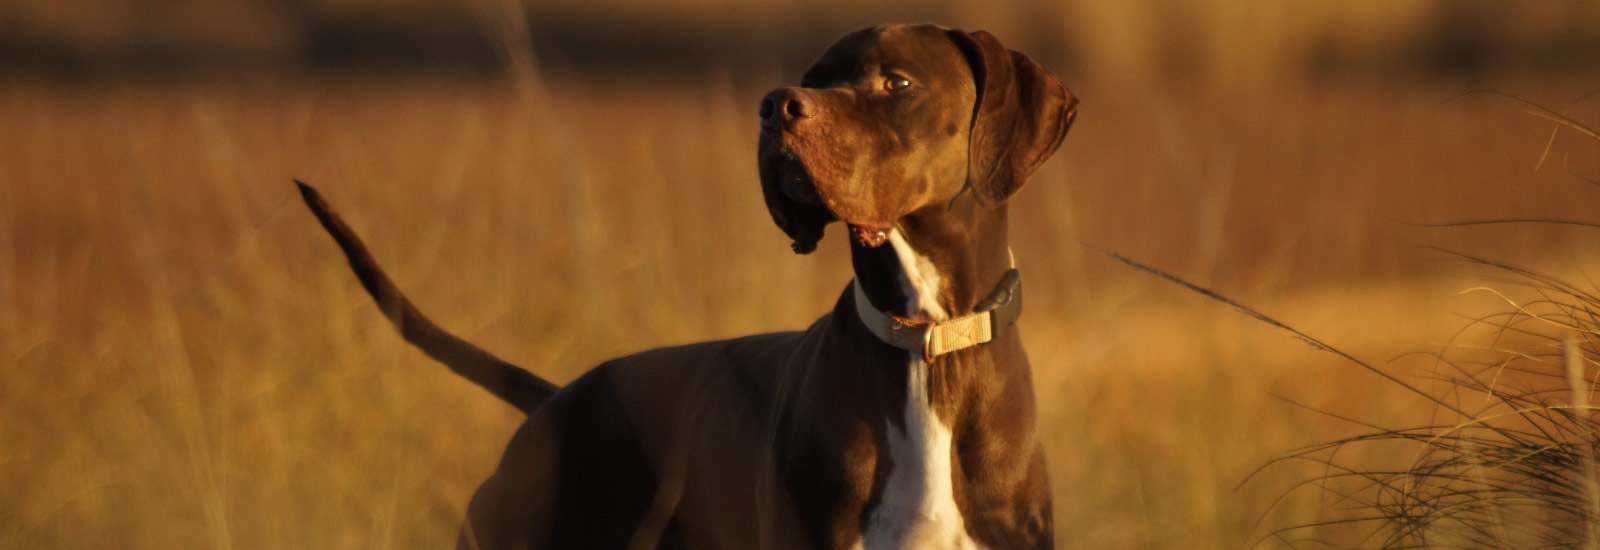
903	419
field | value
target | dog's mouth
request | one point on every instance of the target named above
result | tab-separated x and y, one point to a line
870	236
795	181
800	208
800	188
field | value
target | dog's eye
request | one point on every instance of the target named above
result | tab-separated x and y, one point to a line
894	82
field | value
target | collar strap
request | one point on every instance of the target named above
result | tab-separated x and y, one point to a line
997	311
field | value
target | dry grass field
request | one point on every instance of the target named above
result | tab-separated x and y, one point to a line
185	360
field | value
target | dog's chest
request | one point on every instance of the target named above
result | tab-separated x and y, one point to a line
917	508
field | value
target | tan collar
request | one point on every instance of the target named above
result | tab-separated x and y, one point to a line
997	311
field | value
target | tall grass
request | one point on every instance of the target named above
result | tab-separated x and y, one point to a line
185	360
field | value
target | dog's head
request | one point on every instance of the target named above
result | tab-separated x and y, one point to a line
898	118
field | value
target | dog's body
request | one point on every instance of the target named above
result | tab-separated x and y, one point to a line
831	437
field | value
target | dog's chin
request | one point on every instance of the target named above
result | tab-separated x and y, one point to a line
865	229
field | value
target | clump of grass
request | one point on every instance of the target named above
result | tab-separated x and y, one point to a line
1510	462
1509	458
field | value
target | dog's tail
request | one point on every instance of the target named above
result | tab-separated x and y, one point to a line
511	383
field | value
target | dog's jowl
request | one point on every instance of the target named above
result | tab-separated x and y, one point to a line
902	419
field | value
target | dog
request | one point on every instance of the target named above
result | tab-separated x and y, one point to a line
902	419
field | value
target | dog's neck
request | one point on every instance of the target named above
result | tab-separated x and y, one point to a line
938	262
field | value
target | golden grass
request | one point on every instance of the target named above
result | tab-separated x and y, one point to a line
185	360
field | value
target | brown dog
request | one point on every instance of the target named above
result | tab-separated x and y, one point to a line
903	419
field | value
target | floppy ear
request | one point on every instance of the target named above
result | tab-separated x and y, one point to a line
1021	114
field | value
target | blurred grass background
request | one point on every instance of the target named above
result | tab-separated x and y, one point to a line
185	360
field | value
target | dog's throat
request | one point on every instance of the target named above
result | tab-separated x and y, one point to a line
907	307
921	283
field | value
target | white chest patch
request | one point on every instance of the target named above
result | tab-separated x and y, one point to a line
918	508
922	281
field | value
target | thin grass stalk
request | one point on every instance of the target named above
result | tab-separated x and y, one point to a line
178	375
1580	402
510	22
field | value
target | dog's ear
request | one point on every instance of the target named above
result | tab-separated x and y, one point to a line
1021	114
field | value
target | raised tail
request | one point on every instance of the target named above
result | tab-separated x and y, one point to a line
511	383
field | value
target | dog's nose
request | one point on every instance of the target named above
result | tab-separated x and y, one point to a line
783	107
